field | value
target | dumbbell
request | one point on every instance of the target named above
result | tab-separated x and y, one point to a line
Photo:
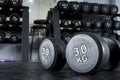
87	24
4	2
98	25
88	53
2	36
2	18
108	24
66	37
15	2
95	8
14	18
76	24
86	7
75	6
14	37
113	9
65	23
63	6
105	9
52	53
116	25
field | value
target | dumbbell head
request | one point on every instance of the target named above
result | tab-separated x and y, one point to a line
95	8
16	2
87	24
113	9
98	25
76	23
14	37
105	9
14	18
2	36
88	53
3	2
75	6
85	7
108	25
63	6
65	23
117	25
51	54
2	18
66	37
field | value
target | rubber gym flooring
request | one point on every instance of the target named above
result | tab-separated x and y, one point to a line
34	71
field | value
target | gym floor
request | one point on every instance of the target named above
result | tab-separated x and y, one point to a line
34	71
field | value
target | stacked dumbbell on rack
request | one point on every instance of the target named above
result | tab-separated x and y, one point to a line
14	25
10	21
84	35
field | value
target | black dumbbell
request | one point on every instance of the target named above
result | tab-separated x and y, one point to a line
14	37
14	18
95	8
66	37
76	24
105	9
2	18
87	25
65	23
4	2
86	7
88	53
116	25
63	6
75	6
108	24
15	2
52	54
98	25
113	9
2	36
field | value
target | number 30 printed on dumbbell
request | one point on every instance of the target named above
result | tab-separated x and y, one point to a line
81	54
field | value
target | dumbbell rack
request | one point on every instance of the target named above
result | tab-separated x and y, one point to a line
54	16
22	27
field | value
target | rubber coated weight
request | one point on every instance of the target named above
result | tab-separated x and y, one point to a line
14	37
105	9
2	36
75	6
66	37
114	51
2	18
16	2
51	54
86	7
108	25
113	9
87	53
76	23
63	6
117	25
3	2
87	24
65	23
14	18
98	25
95	8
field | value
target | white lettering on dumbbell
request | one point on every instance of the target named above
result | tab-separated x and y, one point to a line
81	57
45	53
